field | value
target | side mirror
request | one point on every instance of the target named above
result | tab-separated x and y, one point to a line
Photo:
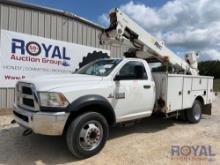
117	78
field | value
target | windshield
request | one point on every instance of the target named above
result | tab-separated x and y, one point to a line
99	67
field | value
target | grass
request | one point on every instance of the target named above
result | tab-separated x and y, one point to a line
217	85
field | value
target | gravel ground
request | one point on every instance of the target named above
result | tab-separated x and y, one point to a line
148	142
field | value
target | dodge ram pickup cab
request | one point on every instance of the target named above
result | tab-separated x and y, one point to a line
82	106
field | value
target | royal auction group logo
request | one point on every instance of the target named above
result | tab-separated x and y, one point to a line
192	153
39	52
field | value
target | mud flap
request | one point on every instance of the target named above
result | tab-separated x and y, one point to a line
207	109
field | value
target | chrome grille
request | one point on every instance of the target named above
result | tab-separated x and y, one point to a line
26	96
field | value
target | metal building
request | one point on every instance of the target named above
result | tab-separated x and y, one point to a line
49	23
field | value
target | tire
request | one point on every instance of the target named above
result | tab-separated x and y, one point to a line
87	135
195	113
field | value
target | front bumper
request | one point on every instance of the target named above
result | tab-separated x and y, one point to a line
45	123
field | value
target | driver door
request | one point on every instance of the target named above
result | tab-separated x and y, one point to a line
133	92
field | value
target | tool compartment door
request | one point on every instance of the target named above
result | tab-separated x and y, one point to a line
187	93
210	91
174	93
199	83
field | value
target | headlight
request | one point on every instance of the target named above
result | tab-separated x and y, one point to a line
52	99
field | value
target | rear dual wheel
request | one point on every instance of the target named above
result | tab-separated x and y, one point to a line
195	113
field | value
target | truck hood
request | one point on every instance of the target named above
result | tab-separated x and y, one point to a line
51	82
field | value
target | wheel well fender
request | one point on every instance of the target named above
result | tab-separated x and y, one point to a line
88	103
200	99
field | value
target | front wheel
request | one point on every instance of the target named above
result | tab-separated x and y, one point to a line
195	113
87	134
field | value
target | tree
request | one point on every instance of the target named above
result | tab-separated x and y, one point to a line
210	68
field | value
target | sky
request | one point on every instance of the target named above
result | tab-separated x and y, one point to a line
184	25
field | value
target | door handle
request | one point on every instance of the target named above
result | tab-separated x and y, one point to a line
147	86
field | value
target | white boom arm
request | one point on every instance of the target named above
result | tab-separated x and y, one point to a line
146	46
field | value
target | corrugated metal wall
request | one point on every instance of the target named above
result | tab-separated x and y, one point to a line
50	25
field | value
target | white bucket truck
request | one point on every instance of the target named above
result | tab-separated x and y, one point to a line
106	92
